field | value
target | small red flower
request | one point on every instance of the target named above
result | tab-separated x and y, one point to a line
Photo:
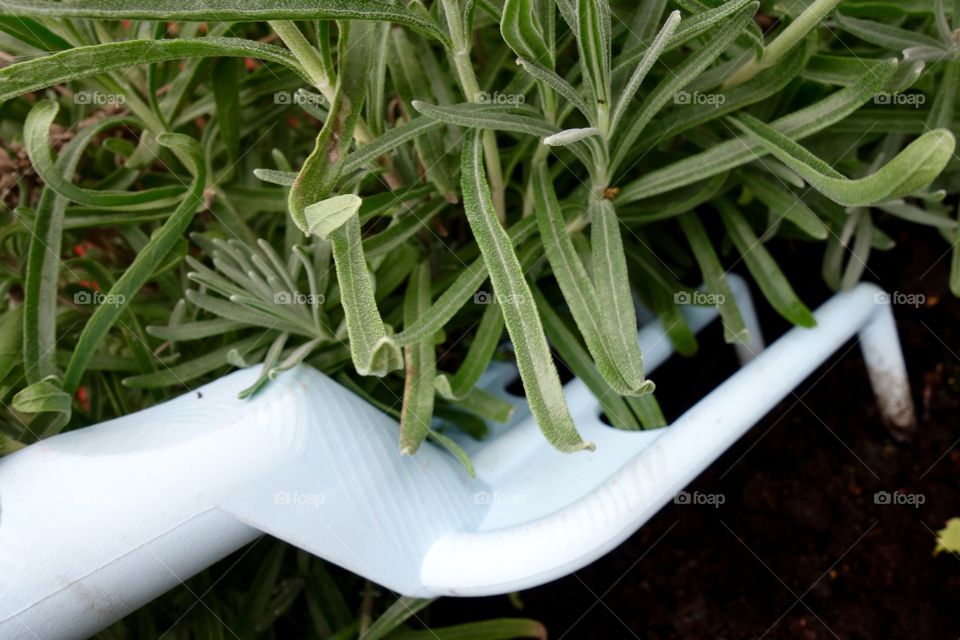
83	399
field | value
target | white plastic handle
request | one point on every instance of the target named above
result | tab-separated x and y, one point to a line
96	522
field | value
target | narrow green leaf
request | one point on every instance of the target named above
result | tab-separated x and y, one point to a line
659	288
45	397
575	283
593	39
324	217
915	214
394	616
522	32
185	372
479	355
643	67
460	291
715	278
408	61
389	141
11	340
319	174
455	449
144	265
679	78
485	405
274	176
43	261
561	86
403	229
583	366
417	411
33	33
270	360
765	84
374	352
224	11
763	267
569	136
478	116
912	169
539	375
885	35
941	113
82	62
194	330
783	203
227	76
859	251
618	319
36	131
738	151
499	629
690	28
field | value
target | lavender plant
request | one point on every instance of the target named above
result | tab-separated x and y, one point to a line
400	193
353	174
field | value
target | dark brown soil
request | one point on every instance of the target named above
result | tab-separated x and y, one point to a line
799	549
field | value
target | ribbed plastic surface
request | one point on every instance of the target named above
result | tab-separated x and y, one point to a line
96	522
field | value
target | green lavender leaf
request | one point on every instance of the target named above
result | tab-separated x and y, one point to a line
417	411
460	290
319	174
144	265
83	62
226	77
593	39
478	116
560	85
577	286
36	131
784	203
224	10
522	31
763	268
46	397
479	355
618	319
912	169
335	219
738	151
714	278
539	375
885	35
643	68
583	365
680	77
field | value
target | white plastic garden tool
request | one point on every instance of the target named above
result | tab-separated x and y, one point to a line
96	522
